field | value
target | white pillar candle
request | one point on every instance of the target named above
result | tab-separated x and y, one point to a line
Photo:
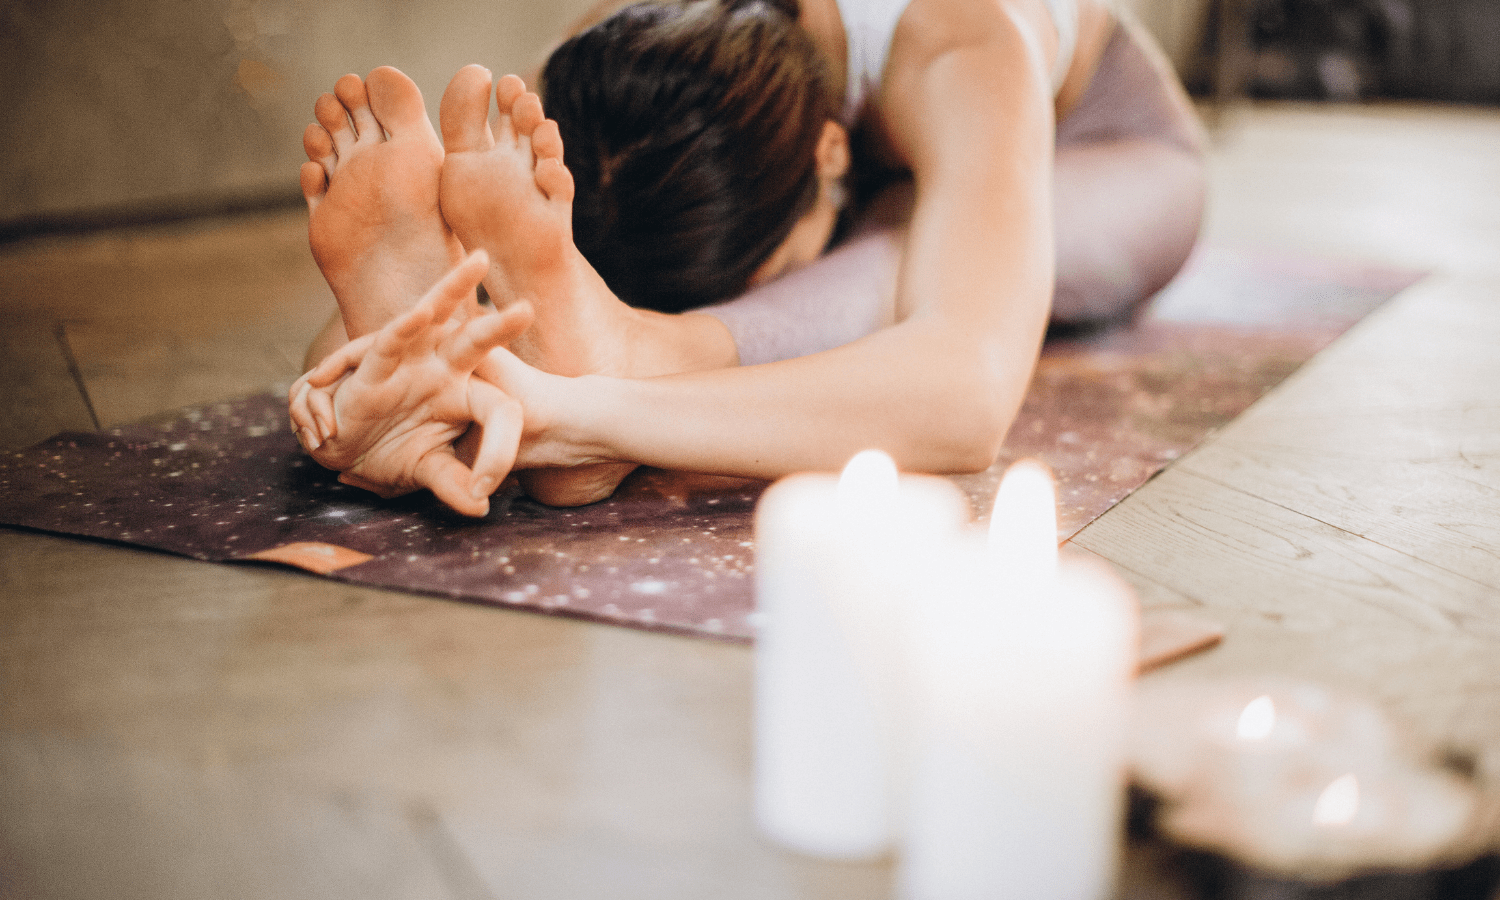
1022	682
834	562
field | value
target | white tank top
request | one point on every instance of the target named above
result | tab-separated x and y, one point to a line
869	26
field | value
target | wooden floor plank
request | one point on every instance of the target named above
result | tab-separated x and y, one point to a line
38	394
1230	550
1402	183
170	729
132	371
1393	434
163	317
1420	509
1303	599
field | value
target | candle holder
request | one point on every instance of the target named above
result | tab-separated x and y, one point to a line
1280	789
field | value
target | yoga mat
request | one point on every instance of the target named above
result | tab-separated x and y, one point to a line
1107	409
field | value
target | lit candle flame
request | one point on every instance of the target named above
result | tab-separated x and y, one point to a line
1258	720
1338	803
1023	525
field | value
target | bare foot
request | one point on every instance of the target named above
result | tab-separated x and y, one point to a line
506	190
372	195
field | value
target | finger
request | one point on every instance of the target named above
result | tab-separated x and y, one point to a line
486	332
335	364
294	398
507	372
297	387
308	438
303	421
500	419
394	342
457	286
320	403
448	479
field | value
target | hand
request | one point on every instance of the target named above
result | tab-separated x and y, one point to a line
385	409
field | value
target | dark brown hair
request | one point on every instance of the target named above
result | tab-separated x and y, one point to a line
690	129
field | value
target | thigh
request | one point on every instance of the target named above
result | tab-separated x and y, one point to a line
1128	183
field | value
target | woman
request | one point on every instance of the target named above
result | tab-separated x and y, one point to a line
1047	148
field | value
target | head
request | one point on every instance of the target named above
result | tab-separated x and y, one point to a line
702	142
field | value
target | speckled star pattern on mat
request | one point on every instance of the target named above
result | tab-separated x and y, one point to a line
1107	410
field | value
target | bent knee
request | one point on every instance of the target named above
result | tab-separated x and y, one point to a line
1125	227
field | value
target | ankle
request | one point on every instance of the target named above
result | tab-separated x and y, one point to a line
669	344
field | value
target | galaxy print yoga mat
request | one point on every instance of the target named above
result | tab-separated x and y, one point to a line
1107	410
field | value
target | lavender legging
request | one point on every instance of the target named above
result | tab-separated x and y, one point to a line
1128	193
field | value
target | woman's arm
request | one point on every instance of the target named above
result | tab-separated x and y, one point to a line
968	103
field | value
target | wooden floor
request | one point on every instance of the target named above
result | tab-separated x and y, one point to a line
172	729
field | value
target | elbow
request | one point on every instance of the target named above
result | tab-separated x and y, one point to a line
977	461
976	445
963	410
974	425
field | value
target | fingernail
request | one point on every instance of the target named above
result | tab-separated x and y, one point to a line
482	488
309	440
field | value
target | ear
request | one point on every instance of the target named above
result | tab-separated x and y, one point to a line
832	153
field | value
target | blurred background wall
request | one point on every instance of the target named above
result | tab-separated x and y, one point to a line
1349	50
131	110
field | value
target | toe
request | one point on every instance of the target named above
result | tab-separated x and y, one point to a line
552	175
465	110
546	141
555	180
509	88
396	101
331	114
314	183
351	92
319	146
526	114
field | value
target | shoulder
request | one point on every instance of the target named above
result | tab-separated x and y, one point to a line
964	73
930	28
1007	45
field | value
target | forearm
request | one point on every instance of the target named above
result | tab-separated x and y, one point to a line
934	400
